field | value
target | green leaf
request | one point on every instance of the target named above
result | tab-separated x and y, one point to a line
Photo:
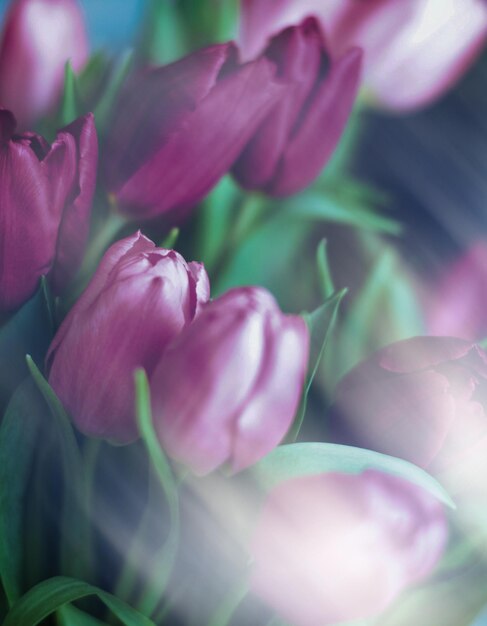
324	272
118	75
317	205
50	595
69	100
69	615
215	221
163	560
19	437
308	459
320	323
164	35
29	331
76	547
171	239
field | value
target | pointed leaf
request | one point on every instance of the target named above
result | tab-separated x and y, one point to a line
50	595
307	459
19	437
69	104
29	331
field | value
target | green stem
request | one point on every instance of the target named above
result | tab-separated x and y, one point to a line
249	216
231	602
100	242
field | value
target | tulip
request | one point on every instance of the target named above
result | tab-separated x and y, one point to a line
139	299
177	129
414	50
336	548
297	138
39	36
458	305
227	389
45	205
421	399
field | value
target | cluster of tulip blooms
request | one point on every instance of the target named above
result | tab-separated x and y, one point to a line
142	415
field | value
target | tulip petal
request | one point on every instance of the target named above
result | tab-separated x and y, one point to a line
138	301
277	392
38	38
75	224
195	157
28	224
406	416
153	105
321	128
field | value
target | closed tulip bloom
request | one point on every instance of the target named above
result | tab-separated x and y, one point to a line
294	142
177	129
139	299
45	205
457	305
227	389
423	400
413	51
39	36
336	548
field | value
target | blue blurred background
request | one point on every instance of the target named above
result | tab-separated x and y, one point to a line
112	24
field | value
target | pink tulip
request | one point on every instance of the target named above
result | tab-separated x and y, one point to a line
296	139
139	299
46	197
227	389
458	306
421	399
39	36
414	50
176	130
336	548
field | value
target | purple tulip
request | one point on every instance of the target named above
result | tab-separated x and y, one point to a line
139	299
297	138
421	399
336	548
38	38
227	389
457	306
414	50
177	129
45	205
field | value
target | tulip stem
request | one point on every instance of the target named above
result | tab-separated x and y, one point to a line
162	560
231	602
97	247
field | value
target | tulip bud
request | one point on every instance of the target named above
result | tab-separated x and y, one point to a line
420	399
297	138
177	129
139	299
38	38
227	389
413	51
45	204
335	548
458	305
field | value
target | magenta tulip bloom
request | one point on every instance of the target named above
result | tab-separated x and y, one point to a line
414	50
338	548
45	205
227	389
177	129
294	142
458	305
421	399
38	38
139	299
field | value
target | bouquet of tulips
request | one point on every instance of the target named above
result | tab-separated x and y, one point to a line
223	399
